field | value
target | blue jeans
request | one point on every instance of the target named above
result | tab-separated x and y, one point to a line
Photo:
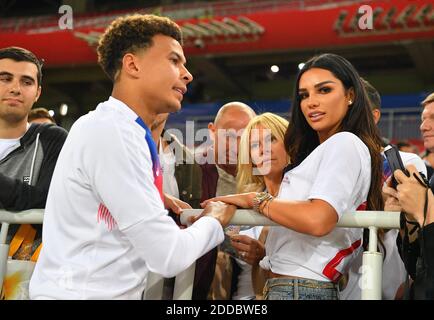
299	289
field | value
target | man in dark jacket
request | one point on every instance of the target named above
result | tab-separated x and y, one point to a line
218	179
28	153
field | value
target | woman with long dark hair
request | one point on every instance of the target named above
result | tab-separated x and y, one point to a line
336	167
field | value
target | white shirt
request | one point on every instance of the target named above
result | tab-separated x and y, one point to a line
394	272
7	146
338	171
245	286
94	254
168	161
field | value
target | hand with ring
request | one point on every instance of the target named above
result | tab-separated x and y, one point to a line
249	249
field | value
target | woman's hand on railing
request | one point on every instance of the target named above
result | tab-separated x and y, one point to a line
219	210
242	200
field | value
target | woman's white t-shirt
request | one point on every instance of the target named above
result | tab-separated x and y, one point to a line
338	171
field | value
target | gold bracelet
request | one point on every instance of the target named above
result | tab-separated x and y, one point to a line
268	209
262	206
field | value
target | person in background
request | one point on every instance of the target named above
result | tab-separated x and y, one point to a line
414	197
219	170
406	147
28	152
428	158
181	178
40	115
181	174
427	126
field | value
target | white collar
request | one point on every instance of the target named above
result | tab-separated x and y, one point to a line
123	108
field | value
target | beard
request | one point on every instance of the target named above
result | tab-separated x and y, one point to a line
12	116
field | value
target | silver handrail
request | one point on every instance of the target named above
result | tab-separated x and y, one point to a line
372	259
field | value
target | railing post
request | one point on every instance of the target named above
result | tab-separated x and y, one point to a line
372	269
154	286
4	252
33	216
184	284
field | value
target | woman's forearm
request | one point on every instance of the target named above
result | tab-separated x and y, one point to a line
314	217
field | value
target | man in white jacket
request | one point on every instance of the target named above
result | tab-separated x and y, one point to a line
105	225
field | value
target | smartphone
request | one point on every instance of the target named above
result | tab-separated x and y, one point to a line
395	162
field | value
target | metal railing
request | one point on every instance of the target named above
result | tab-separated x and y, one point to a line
401	123
372	259
34	216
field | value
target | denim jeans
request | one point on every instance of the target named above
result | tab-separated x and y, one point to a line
299	289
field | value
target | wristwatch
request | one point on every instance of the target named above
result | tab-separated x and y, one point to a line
259	198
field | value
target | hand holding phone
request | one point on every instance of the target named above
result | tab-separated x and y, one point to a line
395	162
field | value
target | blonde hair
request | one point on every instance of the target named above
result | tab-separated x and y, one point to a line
428	100
246	180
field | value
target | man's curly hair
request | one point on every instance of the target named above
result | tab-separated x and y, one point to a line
127	35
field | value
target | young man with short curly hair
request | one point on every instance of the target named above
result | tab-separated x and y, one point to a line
105	224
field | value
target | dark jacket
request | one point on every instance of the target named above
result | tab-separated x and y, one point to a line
205	265
421	270
188	173
418	258
25	173
16	193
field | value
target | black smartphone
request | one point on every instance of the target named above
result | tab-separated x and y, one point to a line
395	162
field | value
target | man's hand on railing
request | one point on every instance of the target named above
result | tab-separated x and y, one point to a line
174	204
219	210
242	200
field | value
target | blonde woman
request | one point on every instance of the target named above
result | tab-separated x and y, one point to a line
261	162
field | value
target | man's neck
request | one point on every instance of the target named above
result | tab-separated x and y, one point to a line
12	131
134	102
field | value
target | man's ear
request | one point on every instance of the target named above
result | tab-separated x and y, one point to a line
130	65
212	129
38	94
377	114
